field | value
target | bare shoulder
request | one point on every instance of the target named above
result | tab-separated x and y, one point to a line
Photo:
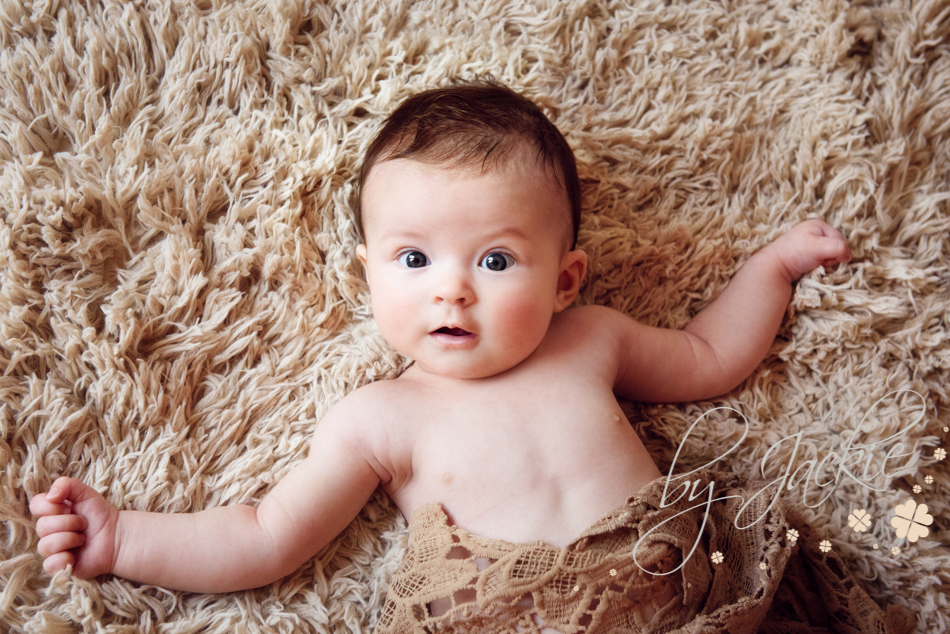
642	362
588	327
371	420
590	315
367	412
360	406
587	337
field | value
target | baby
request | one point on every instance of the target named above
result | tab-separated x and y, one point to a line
506	429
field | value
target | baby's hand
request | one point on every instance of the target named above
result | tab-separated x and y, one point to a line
808	245
76	526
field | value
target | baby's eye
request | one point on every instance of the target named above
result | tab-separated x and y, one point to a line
497	262
413	259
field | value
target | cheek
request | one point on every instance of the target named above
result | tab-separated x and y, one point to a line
393	309
527	314
387	307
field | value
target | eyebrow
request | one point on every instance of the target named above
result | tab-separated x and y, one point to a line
510	231
412	235
505	232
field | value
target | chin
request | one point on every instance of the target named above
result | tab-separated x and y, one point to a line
474	371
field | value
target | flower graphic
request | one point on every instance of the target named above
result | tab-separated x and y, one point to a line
763	565
792	536
895	551
940	453
825	545
929	479
946	428
874	546
717	557
918	488
912	520
860	521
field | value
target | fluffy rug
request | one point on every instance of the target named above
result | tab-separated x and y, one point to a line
181	301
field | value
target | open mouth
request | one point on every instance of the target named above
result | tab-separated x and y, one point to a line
454	332
454	337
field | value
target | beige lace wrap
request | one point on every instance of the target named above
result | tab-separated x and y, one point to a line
765	581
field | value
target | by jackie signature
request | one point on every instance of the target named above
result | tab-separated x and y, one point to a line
845	464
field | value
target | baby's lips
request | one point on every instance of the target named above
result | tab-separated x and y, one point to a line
455	332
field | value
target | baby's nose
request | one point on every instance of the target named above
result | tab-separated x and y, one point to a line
455	288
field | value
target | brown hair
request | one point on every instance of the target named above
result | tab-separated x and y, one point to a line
472	122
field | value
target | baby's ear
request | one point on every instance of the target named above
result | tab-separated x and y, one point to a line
573	267
361	253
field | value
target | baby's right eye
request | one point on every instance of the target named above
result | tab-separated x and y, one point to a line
413	259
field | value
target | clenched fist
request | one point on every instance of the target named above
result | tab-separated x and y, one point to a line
76	526
807	246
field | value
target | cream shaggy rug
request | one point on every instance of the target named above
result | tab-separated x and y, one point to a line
181	300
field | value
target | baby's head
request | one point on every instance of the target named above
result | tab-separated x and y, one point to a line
469	204
480	126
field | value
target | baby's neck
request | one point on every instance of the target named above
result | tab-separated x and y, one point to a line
419	374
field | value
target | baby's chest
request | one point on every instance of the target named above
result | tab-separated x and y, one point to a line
507	465
533	447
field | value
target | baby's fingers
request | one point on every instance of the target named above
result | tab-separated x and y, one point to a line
831	251
41	505
65	495
60	523
60	542
820	228
57	562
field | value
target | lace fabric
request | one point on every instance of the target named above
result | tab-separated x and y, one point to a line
760	580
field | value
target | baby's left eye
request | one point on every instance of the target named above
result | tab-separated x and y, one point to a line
497	262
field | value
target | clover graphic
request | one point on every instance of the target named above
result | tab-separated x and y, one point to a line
895	551
912	520
940	453
792	536
929	479
717	557
918	488
946	428
824	546
860	521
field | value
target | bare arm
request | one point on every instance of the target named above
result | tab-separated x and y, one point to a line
238	547
216	550
729	338
733	333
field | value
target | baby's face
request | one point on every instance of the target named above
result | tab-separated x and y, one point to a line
464	268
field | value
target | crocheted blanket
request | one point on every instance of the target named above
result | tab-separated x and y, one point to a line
704	552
